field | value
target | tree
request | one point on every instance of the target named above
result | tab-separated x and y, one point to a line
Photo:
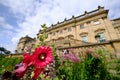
4	51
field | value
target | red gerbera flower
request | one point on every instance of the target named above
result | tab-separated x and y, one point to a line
42	56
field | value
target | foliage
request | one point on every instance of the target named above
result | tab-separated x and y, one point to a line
93	66
97	36
117	68
7	64
42	36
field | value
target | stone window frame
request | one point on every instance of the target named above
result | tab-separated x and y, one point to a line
82	26
118	30
60	31
96	22
84	34
69	29
53	33
98	31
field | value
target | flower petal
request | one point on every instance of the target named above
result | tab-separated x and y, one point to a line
21	70
48	56
37	72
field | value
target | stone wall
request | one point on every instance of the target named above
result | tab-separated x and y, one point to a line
113	46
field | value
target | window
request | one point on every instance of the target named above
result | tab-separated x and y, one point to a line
50	33
102	37
84	38
82	26
61	31
96	22
53	33
118	30
69	29
88	22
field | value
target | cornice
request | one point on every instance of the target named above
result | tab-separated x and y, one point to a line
82	17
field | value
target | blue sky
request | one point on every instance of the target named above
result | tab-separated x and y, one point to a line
19	18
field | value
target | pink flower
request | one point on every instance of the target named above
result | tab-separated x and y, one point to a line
20	71
89	51
72	57
92	53
96	55
42	56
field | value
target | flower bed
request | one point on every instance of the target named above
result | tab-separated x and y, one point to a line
45	63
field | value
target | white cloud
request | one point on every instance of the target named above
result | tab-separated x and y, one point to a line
33	13
5	28
4	24
24	7
114	8
6	34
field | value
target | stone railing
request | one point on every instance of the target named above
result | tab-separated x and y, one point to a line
112	46
14	55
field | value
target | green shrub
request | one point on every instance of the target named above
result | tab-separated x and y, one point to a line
8	63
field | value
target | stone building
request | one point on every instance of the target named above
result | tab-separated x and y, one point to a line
83	29
25	42
116	25
79	30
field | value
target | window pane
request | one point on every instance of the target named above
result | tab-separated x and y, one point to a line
81	26
61	32
53	33
96	22
102	37
84	38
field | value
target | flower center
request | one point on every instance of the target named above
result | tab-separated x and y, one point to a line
42	56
